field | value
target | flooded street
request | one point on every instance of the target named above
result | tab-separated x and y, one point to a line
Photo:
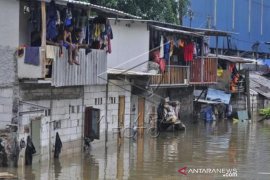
241	146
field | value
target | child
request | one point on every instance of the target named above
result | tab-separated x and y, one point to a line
67	43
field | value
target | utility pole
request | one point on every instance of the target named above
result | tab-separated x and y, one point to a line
190	15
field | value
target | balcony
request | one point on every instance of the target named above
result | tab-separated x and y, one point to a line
56	70
173	76
203	71
200	72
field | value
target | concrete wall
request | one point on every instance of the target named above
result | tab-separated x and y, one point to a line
66	106
6	104
238	102
8	65
115	89
9	22
7	81
130	45
185	96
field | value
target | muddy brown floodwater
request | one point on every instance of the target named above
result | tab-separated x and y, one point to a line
241	147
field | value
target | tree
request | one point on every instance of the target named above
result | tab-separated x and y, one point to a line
171	11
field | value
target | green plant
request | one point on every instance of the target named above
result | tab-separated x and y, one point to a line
265	112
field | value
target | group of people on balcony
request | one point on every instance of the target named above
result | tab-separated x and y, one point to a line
175	50
72	28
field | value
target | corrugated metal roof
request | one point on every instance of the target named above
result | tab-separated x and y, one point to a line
207	32
91	71
176	31
129	72
233	59
260	84
101	8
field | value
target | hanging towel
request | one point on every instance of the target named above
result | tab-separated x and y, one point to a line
50	52
32	56
161	52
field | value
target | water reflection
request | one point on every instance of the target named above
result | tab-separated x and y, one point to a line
244	146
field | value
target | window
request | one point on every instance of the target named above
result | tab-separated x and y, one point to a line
56	125
47	112
112	100
98	101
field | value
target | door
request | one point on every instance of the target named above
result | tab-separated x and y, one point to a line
91	123
141	112
35	133
121	114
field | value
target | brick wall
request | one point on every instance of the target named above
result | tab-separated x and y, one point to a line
115	89
65	116
6	104
8	66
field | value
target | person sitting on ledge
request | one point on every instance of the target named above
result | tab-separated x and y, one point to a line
77	39
66	41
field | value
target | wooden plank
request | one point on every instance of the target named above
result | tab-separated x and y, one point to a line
121	114
141	112
43	37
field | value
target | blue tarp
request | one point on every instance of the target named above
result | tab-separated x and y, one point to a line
217	95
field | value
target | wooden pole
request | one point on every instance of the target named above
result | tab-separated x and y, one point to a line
202	60
248	92
216	46
43	36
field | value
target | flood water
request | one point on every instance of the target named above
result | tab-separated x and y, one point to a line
241	146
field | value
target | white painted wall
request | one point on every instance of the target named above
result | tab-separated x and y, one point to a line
115	89
130	45
9	22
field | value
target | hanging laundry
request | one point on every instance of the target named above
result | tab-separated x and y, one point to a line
50	52
171	47
188	52
162	65
161	51
167	51
52	30
58	146
195	49
32	56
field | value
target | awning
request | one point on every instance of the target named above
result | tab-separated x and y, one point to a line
128	72
232	59
260	84
98	8
172	30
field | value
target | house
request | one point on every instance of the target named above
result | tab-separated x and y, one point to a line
259	86
106	92
47	95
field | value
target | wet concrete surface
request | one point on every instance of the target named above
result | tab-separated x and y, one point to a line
241	146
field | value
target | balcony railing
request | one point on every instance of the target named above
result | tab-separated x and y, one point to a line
173	76
203	71
91	71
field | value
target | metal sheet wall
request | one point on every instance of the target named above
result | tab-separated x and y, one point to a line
91	71
235	16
